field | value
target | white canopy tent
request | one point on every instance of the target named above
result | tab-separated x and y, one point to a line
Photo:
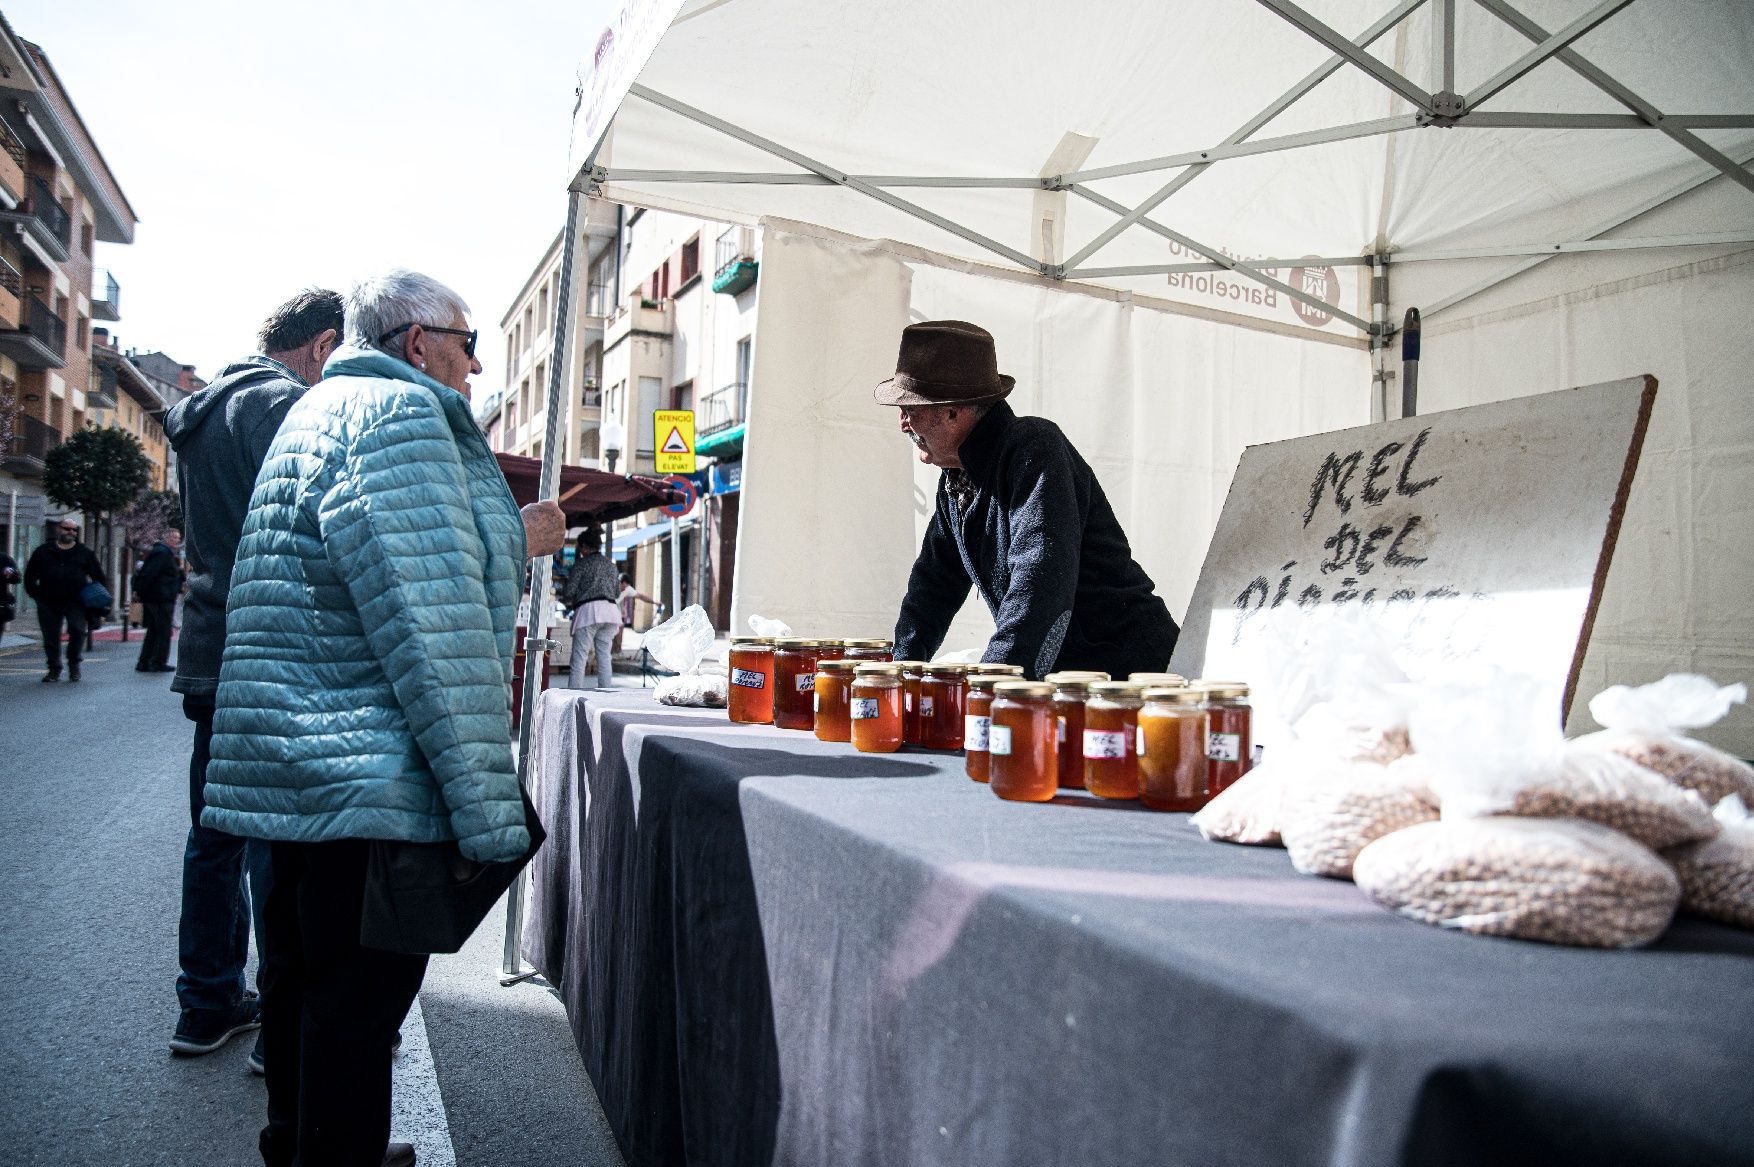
1194	226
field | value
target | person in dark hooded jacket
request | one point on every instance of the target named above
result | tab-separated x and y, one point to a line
54	577
221	435
1020	516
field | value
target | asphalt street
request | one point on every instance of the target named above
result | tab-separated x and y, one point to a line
91	842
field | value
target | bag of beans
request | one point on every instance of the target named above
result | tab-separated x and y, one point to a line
1327	821
1646	724
1717	876
1247	811
1562	881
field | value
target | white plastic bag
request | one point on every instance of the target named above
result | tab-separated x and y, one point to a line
1247	811
762	626
679	644
1327	820
1645	724
1717	876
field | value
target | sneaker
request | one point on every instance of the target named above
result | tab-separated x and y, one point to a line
52	677
258	1066
399	1155
201	1031
396	1044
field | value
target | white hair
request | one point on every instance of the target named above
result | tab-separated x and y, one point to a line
383	303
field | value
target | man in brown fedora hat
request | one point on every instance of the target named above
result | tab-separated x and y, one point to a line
1020	516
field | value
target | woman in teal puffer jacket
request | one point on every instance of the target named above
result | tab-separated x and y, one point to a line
364	692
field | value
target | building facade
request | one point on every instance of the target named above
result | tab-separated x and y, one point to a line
58	199
663	318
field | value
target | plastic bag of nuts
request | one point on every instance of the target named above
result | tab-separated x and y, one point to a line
1717	876
1645	724
1607	788
1328	820
1563	881
1247	811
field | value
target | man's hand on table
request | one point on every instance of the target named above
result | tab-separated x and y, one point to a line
544	527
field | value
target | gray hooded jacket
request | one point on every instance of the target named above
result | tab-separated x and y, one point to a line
221	436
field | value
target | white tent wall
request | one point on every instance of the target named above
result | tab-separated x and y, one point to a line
1160	403
1676	595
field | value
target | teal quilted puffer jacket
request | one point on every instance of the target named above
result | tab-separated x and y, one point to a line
365	688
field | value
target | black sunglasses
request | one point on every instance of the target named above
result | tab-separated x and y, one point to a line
469	337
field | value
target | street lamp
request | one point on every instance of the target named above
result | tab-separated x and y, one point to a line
613	435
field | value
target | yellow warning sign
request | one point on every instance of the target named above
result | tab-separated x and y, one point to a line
673	434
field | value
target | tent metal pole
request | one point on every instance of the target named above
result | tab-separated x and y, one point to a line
1494	120
1289	98
1381	374
1163	269
1736	172
1410	363
757	178
1028	263
1445	25
1601	228
1224	261
1365	129
1312	27
1547	48
537	646
1643	243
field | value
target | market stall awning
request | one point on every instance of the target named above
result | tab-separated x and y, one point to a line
586	495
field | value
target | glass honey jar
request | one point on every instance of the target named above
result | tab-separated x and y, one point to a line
1229	733
943	705
977	720
1111	729
1172	749
794	681
875	709
997	670
868	650
1159	680
749	693
911	672
1070	689
834	682
1023	742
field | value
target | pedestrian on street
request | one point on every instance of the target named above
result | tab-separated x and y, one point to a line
590	592
221	434
365	692
157	584
54	576
8	599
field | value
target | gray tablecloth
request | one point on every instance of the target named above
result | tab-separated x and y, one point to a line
774	950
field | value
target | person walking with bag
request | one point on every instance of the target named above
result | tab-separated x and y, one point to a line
364	694
157	584
56	576
590	592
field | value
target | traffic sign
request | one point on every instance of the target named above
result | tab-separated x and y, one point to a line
673	434
689	494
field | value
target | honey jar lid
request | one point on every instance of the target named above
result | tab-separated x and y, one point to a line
950	669
1164	680
799	642
1075	677
1023	689
998	670
1175	695
752	642
874	668
984	682
909	666
836	666
1116	689
1223	688
863	643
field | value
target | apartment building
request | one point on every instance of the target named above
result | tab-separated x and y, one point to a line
664	318
122	395
58	199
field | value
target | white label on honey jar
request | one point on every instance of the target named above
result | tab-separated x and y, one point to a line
806	682
907	701
1224	747
926	706
748	678
1105	743
999	739
1062	729
864	708
1139	741
974	732
816	702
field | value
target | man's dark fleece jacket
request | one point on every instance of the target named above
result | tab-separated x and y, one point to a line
221	436
1027	522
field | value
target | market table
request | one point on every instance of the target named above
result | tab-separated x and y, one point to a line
775	950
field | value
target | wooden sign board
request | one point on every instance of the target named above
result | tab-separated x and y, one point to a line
1480	534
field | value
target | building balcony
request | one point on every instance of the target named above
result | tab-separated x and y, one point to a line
104	387
12	159
637	318
597	302
106	298
40	339
43	219
735	266
11	289
28	449
719	421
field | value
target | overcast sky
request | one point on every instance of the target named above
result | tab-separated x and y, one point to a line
268	148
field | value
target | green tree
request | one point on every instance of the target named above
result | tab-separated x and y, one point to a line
97	471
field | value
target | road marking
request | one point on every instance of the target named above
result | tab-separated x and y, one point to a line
417	1108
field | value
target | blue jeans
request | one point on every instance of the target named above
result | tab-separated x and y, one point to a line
587	637
213	934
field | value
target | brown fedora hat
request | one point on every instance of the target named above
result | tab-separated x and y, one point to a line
945	362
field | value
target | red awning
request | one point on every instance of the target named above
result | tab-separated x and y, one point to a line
588	496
